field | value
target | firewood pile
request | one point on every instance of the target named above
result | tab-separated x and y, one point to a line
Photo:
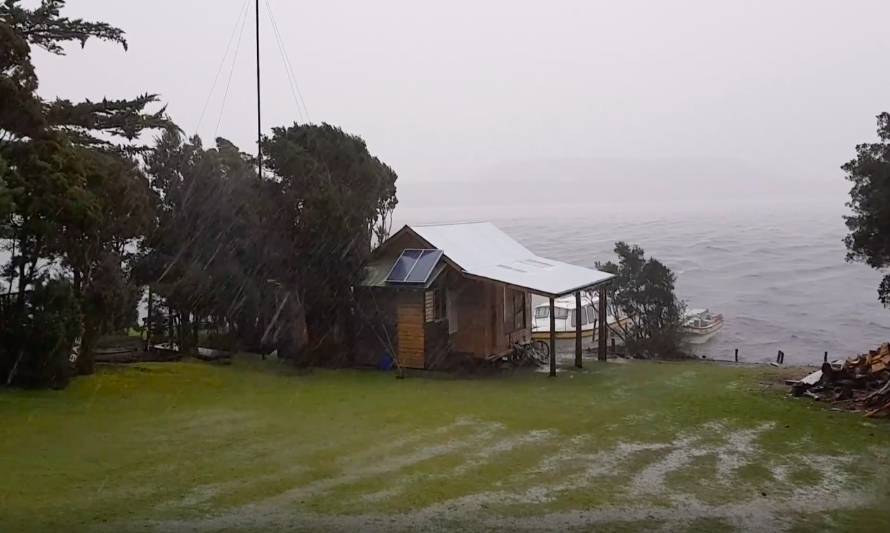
860	383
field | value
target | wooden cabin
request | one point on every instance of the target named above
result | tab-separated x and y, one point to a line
432	293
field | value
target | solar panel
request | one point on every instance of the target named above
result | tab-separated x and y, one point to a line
403	265
414	266
424	266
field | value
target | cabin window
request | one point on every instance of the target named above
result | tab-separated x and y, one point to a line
434	304
518	310
544	312
586	315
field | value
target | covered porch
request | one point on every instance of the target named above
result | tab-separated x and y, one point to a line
599	337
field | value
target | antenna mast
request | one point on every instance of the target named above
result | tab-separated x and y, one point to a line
259	122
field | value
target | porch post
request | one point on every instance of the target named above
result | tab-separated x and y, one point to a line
603	329
552	338
578	329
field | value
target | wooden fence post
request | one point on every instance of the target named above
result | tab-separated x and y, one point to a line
578	311
603	327
552	338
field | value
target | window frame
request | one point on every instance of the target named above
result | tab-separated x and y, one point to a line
439	307
519	311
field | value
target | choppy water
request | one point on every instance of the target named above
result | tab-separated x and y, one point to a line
777	273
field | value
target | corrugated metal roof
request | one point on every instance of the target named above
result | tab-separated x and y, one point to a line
483	250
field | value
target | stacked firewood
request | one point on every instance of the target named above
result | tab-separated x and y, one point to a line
860	383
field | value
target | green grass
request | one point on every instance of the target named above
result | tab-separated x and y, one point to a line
253	446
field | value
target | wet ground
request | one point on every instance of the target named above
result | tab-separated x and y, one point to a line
254	447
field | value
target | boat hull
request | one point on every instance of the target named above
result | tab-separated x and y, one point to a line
701	335
586	333
545	335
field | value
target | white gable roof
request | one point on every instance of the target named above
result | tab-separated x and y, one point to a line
482	250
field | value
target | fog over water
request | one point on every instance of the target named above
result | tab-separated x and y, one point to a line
776	270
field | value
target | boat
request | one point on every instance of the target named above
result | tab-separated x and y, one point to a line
564	311
699	325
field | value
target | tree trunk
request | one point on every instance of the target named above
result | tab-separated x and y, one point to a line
184	334
149	322
86	357
196	323
293	331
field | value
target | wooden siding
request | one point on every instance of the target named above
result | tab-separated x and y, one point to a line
437	344
472	300
411	337
482	325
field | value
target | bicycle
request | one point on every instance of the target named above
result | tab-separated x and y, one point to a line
536	352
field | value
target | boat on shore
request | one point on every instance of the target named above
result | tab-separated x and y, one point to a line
566	319
699	325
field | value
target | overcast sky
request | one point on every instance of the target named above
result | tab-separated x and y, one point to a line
459	89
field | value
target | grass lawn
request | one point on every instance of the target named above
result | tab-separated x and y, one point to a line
615	447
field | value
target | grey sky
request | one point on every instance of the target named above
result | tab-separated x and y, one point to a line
460	89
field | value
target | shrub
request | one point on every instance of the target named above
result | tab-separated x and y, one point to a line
38	333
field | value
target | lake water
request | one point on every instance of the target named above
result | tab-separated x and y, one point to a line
776	272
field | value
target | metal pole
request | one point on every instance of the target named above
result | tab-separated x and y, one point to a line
259	120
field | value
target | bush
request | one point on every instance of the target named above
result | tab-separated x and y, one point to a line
37	336
643	291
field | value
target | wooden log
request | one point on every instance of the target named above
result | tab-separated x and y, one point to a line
552	337
578	329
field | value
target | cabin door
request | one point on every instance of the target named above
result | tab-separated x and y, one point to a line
410	327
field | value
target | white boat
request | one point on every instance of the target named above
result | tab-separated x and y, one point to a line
565	313
699	325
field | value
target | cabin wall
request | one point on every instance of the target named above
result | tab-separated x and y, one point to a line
473	301
392	322
485	321
437	339
477	321
511	331
437	344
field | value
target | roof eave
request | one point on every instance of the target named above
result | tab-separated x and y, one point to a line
540	292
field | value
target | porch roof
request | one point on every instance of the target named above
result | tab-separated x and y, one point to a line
482	250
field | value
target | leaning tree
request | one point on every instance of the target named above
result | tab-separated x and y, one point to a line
70	186
642	297
336	199
869	223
